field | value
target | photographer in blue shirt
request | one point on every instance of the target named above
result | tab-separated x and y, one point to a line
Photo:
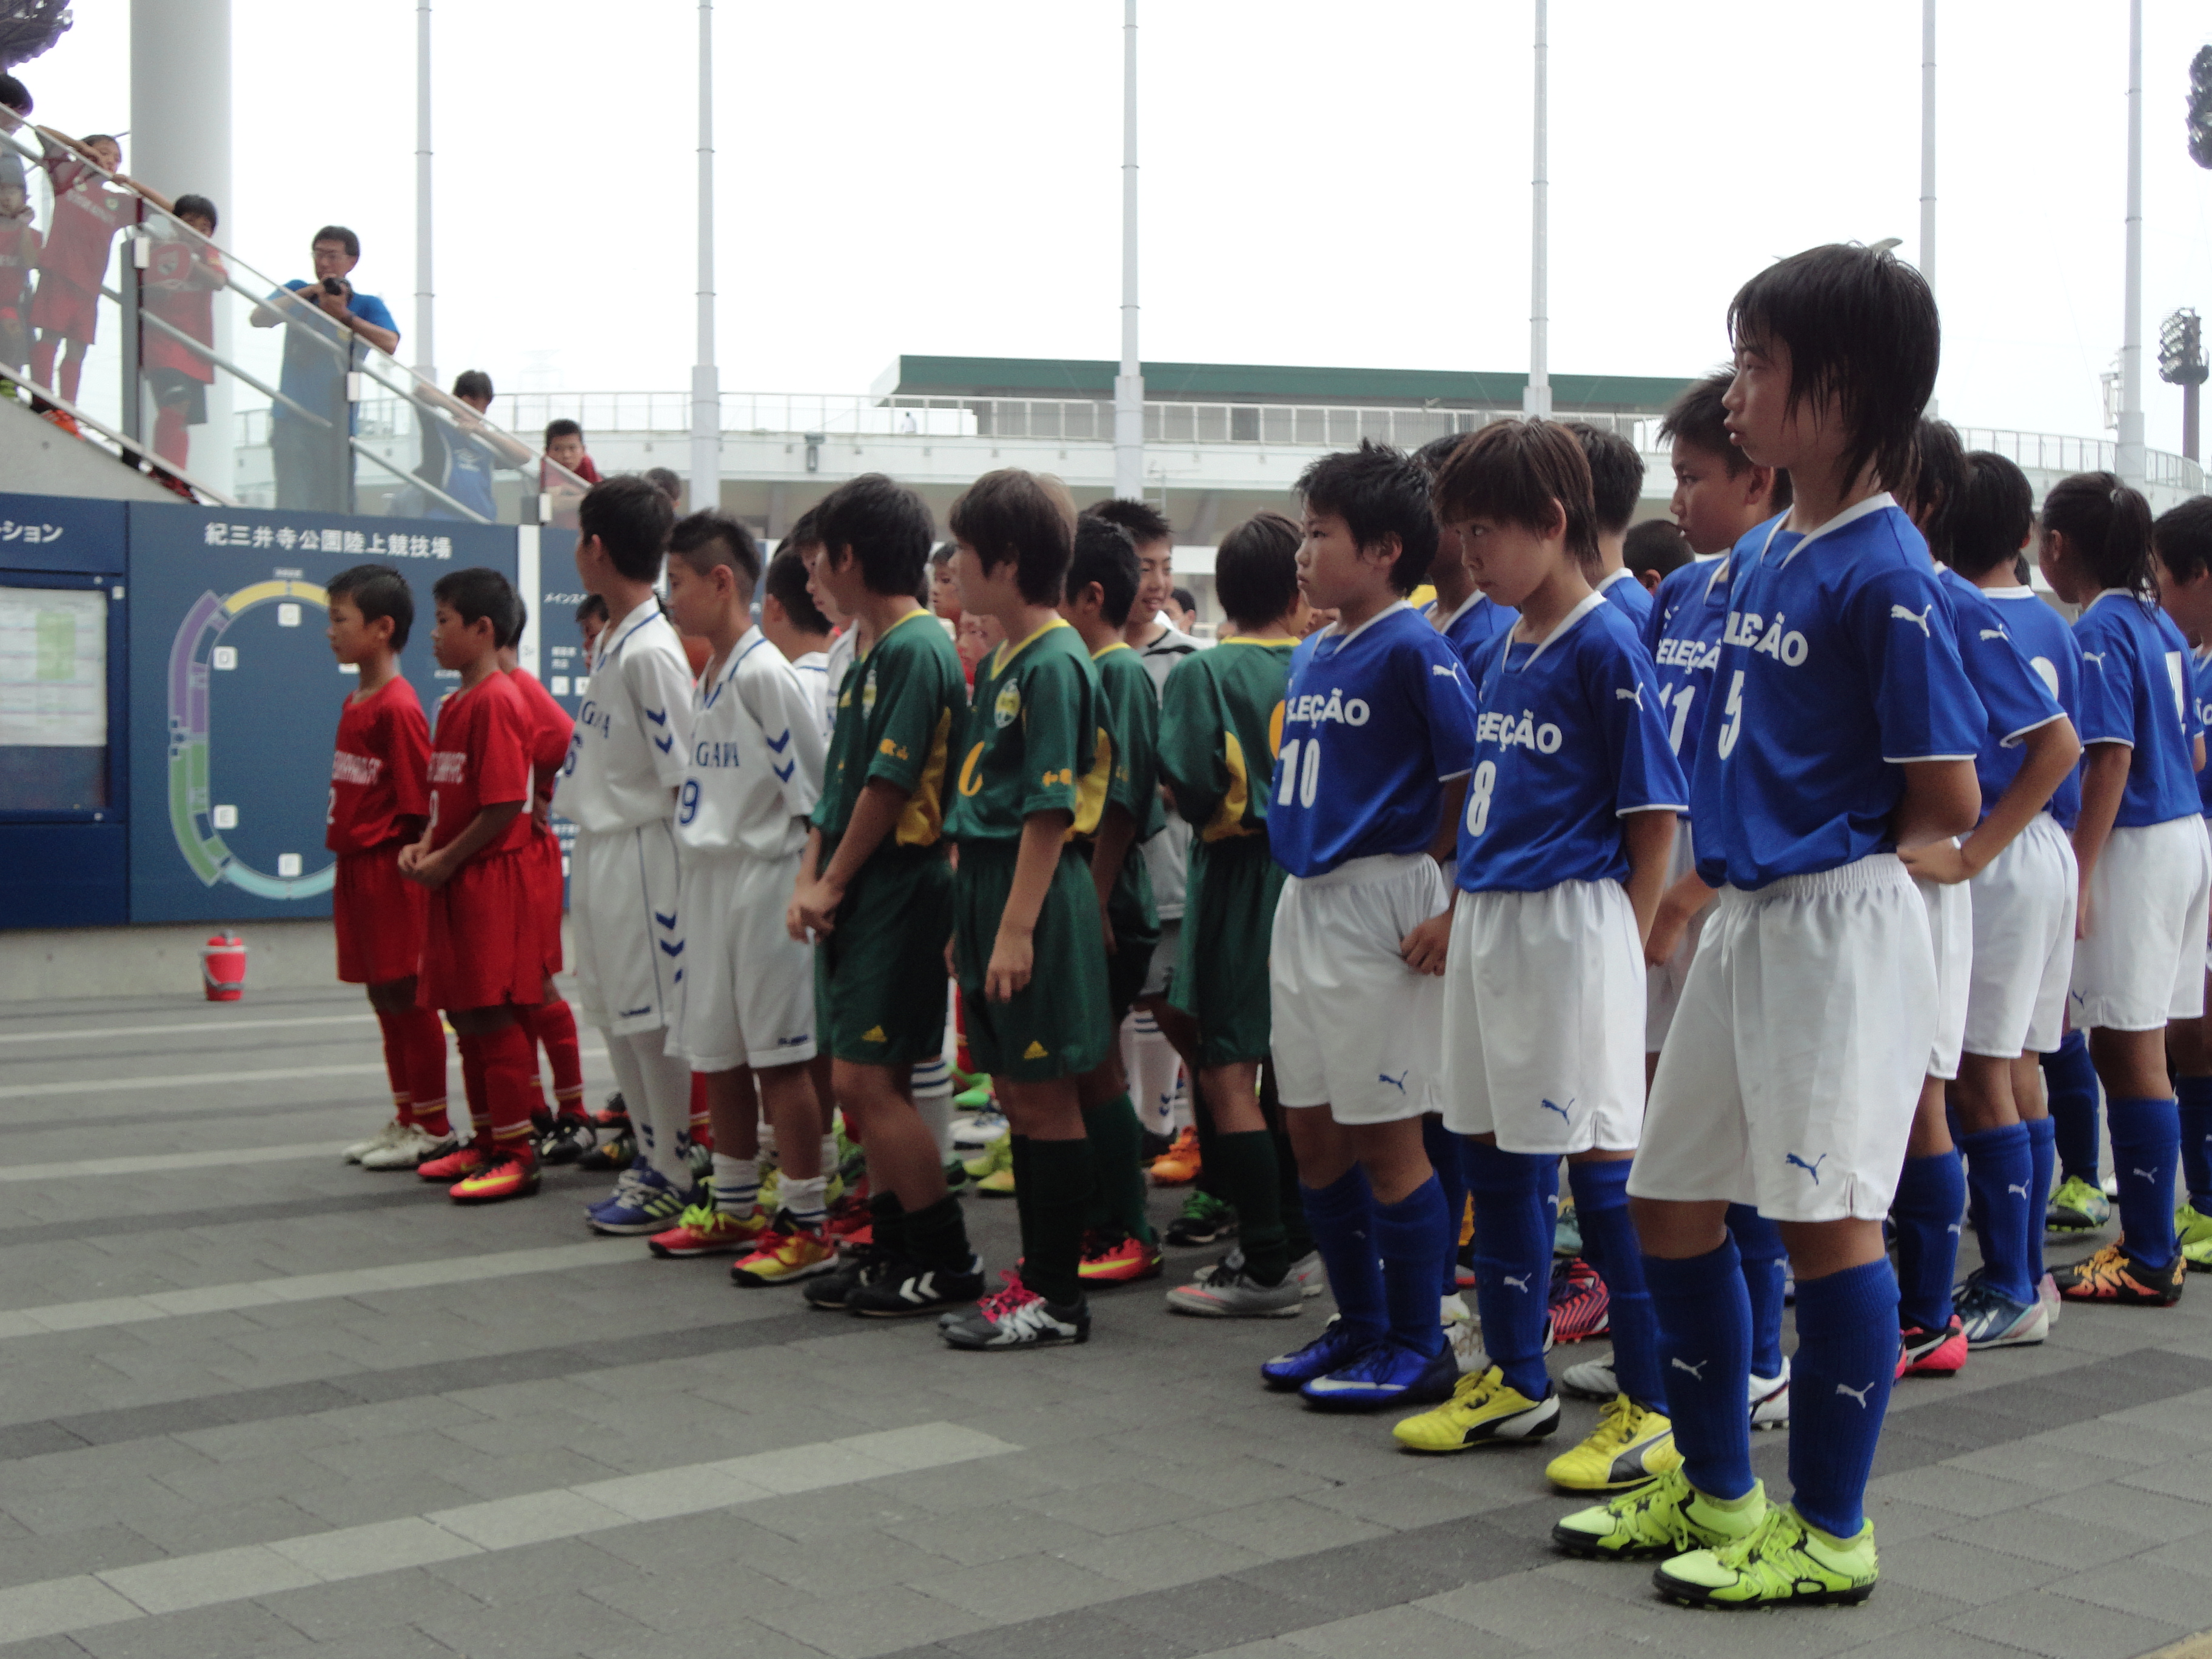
314	467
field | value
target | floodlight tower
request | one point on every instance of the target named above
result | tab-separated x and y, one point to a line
2181	362
1536	396
1129	384
2132	461
705	385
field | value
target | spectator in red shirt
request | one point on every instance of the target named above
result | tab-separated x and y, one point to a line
564	448
179	288
74	262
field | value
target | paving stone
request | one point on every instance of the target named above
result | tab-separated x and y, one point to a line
1035	1588
859	1624
2061	1627
1156	1557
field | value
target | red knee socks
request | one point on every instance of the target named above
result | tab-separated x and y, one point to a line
473	1086
426	1069
703	1121
171	442
556	1024
398	1061
505	1055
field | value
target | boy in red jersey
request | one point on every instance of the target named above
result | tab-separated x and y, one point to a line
483	959
179	289
552	1023
379	800
20	243
74	263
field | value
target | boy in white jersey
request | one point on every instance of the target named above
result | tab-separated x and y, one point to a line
618	788
746	1011
794	624
1842	729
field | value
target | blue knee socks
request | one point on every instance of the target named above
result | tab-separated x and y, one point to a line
1512	1262
2070	1082
2001	1177
1342	1217
2043	1157
1704	1319
1609	1241
1442	1148
2195	1114
1847	1327
1766	1271
1931	1198
1410	1235
2146	1145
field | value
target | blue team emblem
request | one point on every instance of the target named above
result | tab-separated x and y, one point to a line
1007	704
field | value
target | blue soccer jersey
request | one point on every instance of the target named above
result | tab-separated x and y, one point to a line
2046	639
1688	615
1838	665
2136	686
1567	741
1472	627
1624	591
2202	666
2014	696
1374	722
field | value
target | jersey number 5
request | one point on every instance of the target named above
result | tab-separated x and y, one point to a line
1734	710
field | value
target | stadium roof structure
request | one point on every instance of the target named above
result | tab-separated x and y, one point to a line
1266	383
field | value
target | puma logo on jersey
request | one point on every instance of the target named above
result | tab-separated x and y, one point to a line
1917	618
2096	657
1629	694
2021	1189
1397	1082
1553	1106
1995	634
1696	1372
1859	1395
874	1034
1035	1051
1812	1168
1439	668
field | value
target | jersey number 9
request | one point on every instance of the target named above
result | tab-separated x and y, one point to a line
687	804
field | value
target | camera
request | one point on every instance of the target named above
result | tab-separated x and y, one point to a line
331	285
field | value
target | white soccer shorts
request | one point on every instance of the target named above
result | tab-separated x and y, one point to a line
1663	985
2023	944
2142	961
1355	1028
1542	995
1951	932
626	922
1789	1079
748	994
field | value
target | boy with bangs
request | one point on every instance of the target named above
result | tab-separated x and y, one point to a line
1616	484
1377	739
1027	947
1562	850
1846	730
483	959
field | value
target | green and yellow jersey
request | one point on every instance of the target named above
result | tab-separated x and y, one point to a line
1038	740
1133	718
1221	726
895	715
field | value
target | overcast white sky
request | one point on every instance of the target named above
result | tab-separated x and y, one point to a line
1322	183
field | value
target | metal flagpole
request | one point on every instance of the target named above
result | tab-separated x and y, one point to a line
2132	467
426	348
1129	384
1536	396
706	389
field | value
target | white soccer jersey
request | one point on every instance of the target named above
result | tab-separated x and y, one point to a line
814	674
633	730
756	754
836	662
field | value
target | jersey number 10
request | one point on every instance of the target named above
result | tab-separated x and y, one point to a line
1291	782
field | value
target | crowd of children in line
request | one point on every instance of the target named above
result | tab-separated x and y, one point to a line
1766	893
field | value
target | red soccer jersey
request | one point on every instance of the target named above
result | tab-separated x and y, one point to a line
551	729
87	214
19	257
179	288
381	773
481	758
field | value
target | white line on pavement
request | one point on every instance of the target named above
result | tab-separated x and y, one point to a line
212	1027
55	1607
155	1163
199	1079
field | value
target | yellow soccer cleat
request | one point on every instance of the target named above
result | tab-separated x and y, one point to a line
1482	1411
1632	1444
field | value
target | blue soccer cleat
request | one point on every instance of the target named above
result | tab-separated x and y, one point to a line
1385	1376
1337	1347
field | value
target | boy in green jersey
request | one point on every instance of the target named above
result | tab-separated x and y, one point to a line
1028	946
1221	724
1102	585
875	892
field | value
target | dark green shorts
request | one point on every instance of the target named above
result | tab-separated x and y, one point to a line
1058	1025
1228	922
1135	926
879	984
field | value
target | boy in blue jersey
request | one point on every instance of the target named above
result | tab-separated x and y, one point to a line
1616	484
1719	497
1563	850
1466	616
1378	735
2018	933
2146	870
1846	730
2182	538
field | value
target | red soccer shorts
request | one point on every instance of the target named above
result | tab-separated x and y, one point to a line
544	854
63	308
379	916
483	947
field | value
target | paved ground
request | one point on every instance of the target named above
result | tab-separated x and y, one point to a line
285	1407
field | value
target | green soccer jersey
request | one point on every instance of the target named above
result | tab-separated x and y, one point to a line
1034	741
1132	717
1221	726
895	719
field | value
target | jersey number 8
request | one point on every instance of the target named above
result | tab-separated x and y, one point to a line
1478	790
1302	785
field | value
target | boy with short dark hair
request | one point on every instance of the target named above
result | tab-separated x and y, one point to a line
746	1013
874	891
1653	551
618	788
1103	574
1462	611
379	800
1616	483
794	624
1028	948
482	957
591	622
1221	726
178	288
1378	736
1843	729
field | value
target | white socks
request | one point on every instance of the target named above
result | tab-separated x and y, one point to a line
933	1098
736	1184
658	1088
1152	1066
